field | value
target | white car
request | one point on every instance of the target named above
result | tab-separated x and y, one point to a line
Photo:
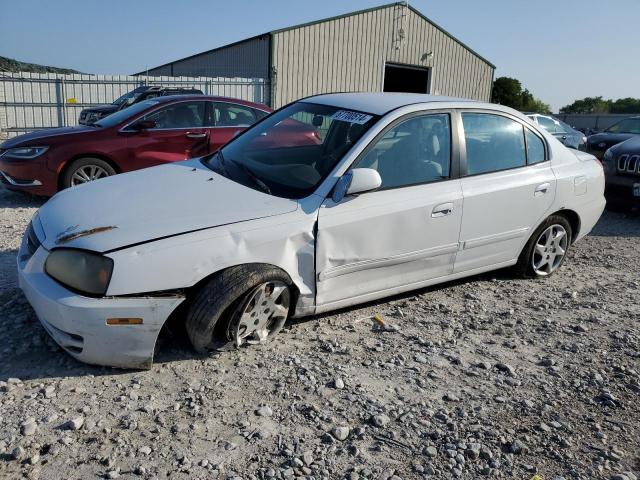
331	201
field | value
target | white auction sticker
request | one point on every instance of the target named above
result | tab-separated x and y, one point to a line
351	117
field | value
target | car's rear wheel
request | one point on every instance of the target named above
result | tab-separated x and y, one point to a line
242	305
547	248
85	170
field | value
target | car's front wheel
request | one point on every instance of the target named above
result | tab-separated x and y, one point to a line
242	305
84	170
547	248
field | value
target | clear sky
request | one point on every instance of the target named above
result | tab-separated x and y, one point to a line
560	49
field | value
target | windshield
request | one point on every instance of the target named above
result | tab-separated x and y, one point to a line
567	128
122	115
628	125
127	98
290	152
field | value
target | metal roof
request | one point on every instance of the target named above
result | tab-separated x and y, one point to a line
328	19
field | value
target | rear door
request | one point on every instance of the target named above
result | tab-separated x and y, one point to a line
179	134
402	234
229	119
508	187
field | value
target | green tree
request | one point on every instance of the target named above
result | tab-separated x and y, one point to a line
588	105
508	91
532	104
626	105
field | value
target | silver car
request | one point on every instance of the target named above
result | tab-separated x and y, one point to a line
567	135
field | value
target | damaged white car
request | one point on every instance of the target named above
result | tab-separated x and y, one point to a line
331	201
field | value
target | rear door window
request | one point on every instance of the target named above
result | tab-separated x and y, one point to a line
493	142
178	115
535	148
233	115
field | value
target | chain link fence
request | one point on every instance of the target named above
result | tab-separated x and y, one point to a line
33	101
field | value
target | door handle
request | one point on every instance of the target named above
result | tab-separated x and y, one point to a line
541	189
195	135
442	210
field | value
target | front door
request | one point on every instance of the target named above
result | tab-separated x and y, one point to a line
404	233
179	134
508	189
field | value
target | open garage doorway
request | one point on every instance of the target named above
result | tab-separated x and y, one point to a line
405	78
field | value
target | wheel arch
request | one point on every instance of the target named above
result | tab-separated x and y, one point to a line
65	166
574	221
190	292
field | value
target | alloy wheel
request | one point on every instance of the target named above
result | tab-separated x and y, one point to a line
88	173
262	314
549	250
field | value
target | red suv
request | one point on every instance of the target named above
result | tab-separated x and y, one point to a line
152	132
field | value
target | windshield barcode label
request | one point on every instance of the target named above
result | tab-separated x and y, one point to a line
351	117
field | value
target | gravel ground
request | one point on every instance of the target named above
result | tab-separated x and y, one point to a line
488	376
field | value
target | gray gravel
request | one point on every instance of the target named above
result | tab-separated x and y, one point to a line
488	376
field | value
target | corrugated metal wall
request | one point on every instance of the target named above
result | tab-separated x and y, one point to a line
247	59
349	54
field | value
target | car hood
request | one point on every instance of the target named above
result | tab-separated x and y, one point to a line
102	108
609	138
150	204
30	138
630	146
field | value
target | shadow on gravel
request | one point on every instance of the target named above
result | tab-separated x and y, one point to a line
8	274
11	199
614	224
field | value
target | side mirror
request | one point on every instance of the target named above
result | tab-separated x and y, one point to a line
357	180
144	125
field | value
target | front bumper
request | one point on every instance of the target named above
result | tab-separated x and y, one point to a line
31	176
619	189
78	324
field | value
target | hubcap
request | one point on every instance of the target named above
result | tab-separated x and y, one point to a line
549	250
263	313
88	173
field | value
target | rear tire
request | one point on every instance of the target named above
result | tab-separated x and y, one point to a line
218	311
85	170
546	250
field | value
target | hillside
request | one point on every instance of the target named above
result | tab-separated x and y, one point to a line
11	65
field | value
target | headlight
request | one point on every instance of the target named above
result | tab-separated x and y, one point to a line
25	153
608	155
80	270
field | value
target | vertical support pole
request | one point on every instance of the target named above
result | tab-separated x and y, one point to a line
59	102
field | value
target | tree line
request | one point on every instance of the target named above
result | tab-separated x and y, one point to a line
600	105
510	92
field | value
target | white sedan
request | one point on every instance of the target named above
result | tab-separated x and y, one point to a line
328	202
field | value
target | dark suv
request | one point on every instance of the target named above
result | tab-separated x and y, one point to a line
625	129
90	115
622	168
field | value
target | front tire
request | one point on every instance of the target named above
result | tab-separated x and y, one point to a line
85	170
546	250
242	305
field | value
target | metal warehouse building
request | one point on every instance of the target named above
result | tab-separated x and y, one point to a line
388	48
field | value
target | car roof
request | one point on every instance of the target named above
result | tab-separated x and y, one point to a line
171	98
382	102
